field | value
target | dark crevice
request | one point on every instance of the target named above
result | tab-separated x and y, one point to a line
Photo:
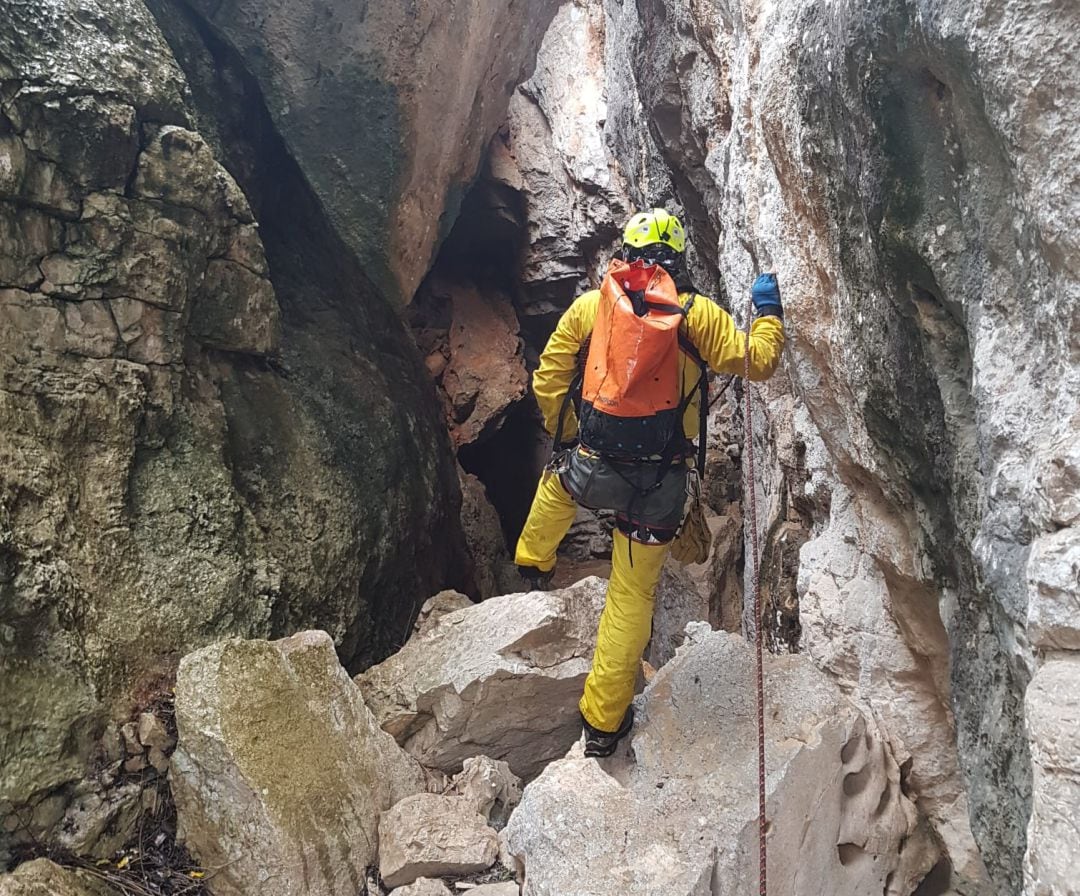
937	882
509	464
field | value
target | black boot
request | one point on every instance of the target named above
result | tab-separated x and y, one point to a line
536	579
602	743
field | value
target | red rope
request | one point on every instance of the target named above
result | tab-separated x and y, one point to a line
758	634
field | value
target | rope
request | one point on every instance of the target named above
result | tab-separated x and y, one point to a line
759	638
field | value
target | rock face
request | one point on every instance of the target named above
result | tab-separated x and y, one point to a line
679	816
485	372
281	770
500	679
575	200
370	98
890	162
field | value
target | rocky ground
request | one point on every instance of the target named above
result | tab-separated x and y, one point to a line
291	778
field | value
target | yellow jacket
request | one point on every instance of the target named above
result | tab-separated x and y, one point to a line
711	329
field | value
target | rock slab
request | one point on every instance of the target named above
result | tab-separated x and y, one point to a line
429	834
679	816
281	771
500	679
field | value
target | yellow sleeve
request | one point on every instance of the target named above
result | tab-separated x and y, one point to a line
723	346
558	362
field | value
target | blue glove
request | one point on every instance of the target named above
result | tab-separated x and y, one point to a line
766	296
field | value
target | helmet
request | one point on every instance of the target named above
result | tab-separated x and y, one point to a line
655	226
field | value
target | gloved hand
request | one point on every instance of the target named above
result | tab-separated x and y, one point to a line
766	296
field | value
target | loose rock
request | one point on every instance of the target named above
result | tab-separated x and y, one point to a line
44	878
152	732
501	679
505	888
281	771
489	788
427	835
436	607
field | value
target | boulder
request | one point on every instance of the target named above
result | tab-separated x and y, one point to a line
489	788
674	813
281	771
429	834
501	678
44	878
1052	716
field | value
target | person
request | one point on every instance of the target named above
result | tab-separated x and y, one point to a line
642	480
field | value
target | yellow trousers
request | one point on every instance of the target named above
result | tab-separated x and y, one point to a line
625	624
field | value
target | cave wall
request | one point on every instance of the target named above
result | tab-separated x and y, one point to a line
214	421
893	162
908	169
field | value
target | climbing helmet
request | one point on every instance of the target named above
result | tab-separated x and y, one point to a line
654	226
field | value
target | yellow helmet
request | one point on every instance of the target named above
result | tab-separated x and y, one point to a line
655	226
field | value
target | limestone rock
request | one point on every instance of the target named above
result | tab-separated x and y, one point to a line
1052	715
924	383
679	816
427	835
678	602
489	788
485	373
424	886
501	679
493	570
1053	578
505	888
152	732
844	601
44	878
180	461
407	99
436	607
100	820
576	200
281	771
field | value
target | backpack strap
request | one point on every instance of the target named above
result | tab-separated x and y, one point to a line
573	393
702	387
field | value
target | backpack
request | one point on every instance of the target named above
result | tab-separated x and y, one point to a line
631	403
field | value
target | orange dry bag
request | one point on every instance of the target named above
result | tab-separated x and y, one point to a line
631	397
